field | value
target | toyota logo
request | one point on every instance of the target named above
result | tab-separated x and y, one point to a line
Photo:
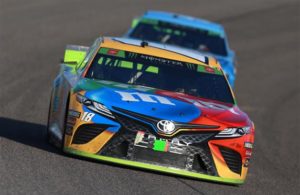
165	126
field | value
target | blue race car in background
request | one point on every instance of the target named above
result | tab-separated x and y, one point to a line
187	32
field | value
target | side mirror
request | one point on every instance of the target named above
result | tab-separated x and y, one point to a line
69	63
135	22
74	55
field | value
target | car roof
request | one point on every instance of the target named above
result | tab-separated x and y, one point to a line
184	20
159	50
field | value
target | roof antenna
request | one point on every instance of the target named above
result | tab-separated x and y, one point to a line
144	43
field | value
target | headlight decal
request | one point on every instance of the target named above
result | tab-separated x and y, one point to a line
94	106
234	132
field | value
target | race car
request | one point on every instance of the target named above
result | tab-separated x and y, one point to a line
188	32
150	106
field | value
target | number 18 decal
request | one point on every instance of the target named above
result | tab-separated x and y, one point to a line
87	116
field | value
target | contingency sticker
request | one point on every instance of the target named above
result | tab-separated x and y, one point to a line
161	145
150	141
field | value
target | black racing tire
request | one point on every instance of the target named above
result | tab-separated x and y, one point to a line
49	137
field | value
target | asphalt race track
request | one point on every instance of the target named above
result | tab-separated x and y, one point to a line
33	33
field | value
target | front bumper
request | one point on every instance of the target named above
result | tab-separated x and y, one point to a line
191	154
163	169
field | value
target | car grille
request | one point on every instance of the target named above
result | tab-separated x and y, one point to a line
232	158
85	133
132	125
194	138
196	158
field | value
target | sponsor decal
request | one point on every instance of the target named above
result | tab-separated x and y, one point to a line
112	52
248	153
74	113
161	145
150	141
143	97
87	116
209	69
161	60
247	161
248	145
139	137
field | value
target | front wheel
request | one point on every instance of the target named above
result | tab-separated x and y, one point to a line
52	139
62	144
49	136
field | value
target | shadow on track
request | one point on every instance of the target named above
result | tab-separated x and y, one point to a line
34	135
27	133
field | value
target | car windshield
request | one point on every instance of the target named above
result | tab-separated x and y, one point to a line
161	73
178	35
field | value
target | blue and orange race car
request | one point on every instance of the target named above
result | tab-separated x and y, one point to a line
150	106
187	32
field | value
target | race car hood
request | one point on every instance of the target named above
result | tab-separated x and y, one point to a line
160	104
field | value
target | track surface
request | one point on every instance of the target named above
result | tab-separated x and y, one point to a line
33	34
